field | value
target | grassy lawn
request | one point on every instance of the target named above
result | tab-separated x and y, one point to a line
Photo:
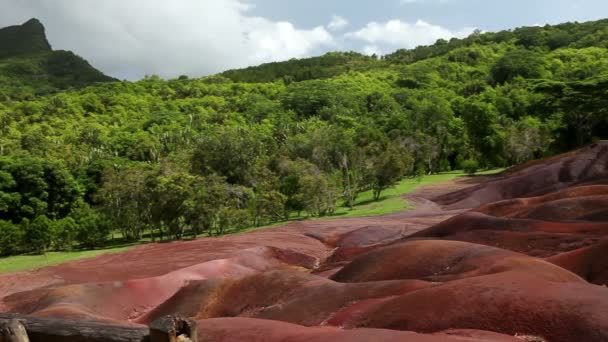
31	262
391	200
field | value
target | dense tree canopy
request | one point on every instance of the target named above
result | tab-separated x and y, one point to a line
166	159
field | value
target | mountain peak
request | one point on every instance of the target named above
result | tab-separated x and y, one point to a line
28	38
34	22
26	56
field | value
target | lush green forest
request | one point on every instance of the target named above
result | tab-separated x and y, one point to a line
83	155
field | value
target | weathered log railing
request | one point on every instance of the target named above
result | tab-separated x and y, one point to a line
19	328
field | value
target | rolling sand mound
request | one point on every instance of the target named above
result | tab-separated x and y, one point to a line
520	207
440	261
255	330
533	237
586	166
522	253
591	263
510	303
124	300
278	295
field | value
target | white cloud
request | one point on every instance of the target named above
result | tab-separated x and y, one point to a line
337	23
395	34
279	41
132	38
371	50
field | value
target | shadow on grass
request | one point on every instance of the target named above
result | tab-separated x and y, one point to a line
367	202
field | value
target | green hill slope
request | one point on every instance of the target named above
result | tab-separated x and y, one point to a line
28	62
313	137
326	66
547	38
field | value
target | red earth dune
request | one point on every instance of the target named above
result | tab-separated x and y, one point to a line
255	330
590	263
493	258
581	167
442	261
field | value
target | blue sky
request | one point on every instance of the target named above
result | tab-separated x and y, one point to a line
454	14
129	39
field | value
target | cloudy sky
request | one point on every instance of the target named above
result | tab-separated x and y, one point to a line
131	38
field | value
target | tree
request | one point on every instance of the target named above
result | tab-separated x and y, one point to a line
93	226
390	167
582	104
64	233
11	238
170	192
267	201
30	187
524	139
291	188
37	234
483	128
520	62
210	197
308	98
125	199
306	187
230	152
318	193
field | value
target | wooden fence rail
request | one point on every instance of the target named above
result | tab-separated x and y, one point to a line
20	328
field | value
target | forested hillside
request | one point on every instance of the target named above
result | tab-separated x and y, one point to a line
173	158
30	67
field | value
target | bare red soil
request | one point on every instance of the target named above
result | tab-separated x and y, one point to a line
479	259
581	167
590	263
255	330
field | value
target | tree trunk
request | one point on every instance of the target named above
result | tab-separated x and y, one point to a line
377	193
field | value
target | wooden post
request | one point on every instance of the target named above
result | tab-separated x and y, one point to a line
21	328
42	329
13	331
173	329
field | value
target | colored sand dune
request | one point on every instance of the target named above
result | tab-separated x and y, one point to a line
523	253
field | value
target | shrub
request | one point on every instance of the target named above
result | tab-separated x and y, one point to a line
470	166
64	233
11	238
93	227
37	234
